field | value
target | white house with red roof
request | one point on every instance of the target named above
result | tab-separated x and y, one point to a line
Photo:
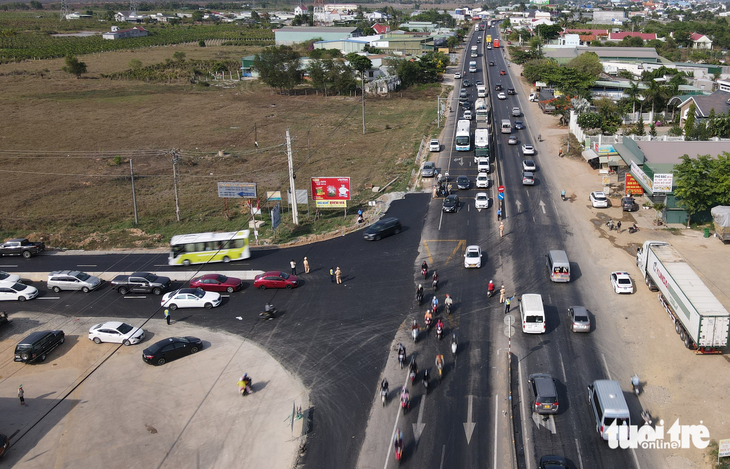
301	10
618	37
700	41
116	33
381	28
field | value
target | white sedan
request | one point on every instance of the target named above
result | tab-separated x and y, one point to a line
501	96
473	257
528	149
6	278
621	282
191	298
17	292
116	332
481	201
457	75
528	165
598	199
482	181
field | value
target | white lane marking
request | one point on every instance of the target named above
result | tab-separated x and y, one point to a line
48	298
443	453
636	460
85	265
469	425
496	421
395	428
8	265
134	297
525	437
605	366
580	458
562	365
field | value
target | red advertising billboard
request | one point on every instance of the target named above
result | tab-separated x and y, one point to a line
331	191
632	187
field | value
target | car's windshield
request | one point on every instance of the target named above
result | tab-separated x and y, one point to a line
83	276
199	293
19	287
222	278
124	328
284	276
474	253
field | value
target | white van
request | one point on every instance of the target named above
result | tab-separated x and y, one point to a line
506	127
532	314
608	405
481	91
483	165
558	265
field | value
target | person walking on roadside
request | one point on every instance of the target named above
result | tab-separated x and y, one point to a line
21	395
306	265
338	275
293	265
618	226
502	291
501	229
332	275
507	303
167	316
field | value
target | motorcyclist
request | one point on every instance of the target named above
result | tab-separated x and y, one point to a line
398	440
424	266
384	386
413	366
419	292
401	353
448	302
435	302
428	317
439	361
244	384
405	398
490	288
439	327
435	277
414	326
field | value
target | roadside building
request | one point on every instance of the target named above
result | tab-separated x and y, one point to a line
290	35
116	33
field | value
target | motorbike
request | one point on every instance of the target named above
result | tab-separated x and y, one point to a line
440	367
398	444
646	417
412	371
268	313
439	332
414	334
562	195
419	297
434	308
454	345
384	396
435	284
633	229
428	321
490	293
244	386
448	308
610	225
635	384
405	404
401	359
424	272
426	380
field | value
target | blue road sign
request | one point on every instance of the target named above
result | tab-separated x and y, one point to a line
500	196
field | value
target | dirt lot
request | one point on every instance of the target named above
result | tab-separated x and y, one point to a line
66	145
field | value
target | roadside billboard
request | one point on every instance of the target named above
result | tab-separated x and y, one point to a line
331	191
632	187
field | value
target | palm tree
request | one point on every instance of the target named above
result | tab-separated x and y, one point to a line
656	93
633	92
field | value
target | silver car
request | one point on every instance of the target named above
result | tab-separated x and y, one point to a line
72	280
429	169
579	319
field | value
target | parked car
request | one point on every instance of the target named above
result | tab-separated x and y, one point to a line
598	199
502	72
9	278
579	319
519	125
434	145
382	228
501	96
528	178
481	200
116	332
621	282
463	183
21	247
451	204
217	282
457	75
275	279
165	350
512	140
473	257
482	181
17	292
37	345
191	298
628	204
140	282
72	280
429	169
528	149
544	393
528	165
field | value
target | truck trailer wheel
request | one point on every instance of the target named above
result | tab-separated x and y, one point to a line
677	329
688	343
682	335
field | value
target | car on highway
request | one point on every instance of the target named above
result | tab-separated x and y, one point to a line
528	178
116	332
466	105
72	280
473	257
191	298
8	278
491	64
519	125
482	181
479	83
502	72
217	282
598	199
516	112
382	228
434	145
463	183
511	91
553	462
429	169
17	292
498	87
481	200
457	75
467	115
466	84
544	393
621	282
21	247
528	165
172	348
528	149
451	204
501	96
579	319
512	140
275	279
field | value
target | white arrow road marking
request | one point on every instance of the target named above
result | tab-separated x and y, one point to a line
542	206
418	427
544	421
518	206
469	425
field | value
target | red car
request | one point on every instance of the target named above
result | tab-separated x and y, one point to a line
502	72
275	279
217	282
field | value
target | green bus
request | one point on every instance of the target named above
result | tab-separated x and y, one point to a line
201	248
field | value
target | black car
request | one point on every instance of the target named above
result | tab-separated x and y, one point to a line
466	83
37	345
627	204
553	462
170	349
498	87
519	125
466	105
451	203
382	228
491	64
511	91
462	182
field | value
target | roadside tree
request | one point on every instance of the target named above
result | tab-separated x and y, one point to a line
278	67
74	66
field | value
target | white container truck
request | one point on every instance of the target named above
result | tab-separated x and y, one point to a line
701	321
481	108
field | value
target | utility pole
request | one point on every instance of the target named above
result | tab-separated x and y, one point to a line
134	195
362	81
175	160
292	176
255	136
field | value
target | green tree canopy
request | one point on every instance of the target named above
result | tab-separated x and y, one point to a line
74	67
587	63
702	182
278	67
